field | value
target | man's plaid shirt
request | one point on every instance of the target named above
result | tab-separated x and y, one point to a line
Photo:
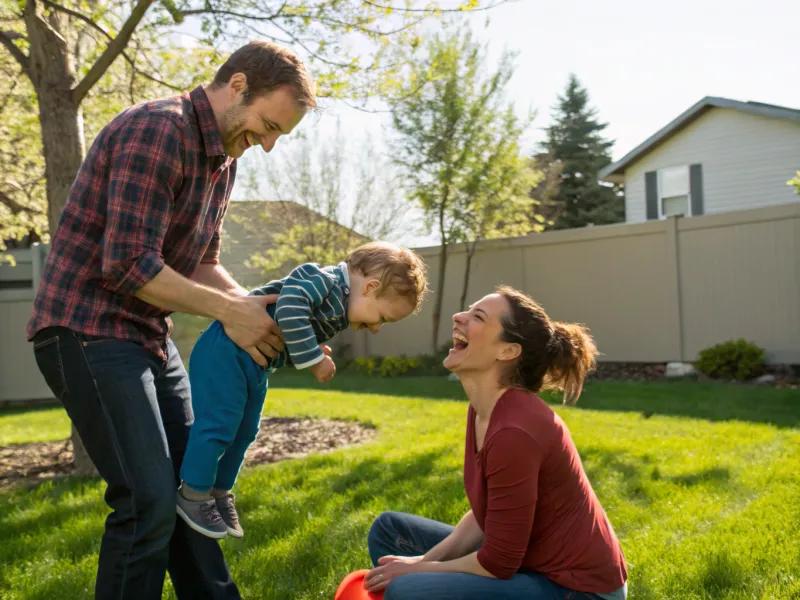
152	191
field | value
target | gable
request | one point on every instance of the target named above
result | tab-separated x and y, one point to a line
745	159
615	172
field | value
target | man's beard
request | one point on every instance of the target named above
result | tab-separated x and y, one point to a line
231	127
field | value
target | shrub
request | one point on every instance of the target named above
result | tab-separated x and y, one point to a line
367	366
397	366
393	366
735	359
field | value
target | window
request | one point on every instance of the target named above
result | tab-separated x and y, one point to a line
673	192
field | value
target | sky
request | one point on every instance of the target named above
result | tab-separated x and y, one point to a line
642	62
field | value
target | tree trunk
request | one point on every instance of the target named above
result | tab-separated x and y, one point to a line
437	307
465	289
84	467
62	136
53	78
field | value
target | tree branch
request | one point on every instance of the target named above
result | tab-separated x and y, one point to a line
435	10
14	206
7	99
311	52
230	13
7	39
14	35
81	17
114	49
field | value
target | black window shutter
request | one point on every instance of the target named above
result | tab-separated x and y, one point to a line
696	189
651	194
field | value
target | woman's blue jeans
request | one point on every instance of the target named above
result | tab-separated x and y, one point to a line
401	534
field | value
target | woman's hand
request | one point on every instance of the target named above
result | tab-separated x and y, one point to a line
389	568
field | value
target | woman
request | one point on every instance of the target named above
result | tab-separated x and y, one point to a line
536	530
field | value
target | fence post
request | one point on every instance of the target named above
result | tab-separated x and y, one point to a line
674	278
37	250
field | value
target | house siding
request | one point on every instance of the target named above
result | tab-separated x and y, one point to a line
746	160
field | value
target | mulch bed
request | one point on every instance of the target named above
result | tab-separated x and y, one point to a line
785	376
608	371
280	438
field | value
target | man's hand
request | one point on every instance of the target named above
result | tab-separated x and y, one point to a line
324	370
249	326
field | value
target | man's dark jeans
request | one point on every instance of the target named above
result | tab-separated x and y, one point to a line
133	412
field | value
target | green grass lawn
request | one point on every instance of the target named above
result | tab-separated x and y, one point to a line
704	494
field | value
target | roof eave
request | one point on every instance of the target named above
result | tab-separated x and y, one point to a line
615	172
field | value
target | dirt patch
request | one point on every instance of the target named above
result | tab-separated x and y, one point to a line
280	438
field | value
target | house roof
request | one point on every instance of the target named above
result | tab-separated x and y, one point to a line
614	172
277	215
250	226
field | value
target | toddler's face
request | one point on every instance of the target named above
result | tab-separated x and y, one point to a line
367	310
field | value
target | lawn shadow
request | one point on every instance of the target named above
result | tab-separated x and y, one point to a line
634	473
710	401
431	387
720	573
39	406
715	475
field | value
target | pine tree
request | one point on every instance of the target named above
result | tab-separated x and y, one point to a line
575	141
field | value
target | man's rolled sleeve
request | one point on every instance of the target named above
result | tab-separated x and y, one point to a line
128	276
145	173
513	459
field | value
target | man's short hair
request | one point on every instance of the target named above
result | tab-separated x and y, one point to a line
269	67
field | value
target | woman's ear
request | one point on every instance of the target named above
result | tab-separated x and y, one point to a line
371	286
509	352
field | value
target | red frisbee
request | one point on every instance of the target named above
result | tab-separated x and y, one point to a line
352	588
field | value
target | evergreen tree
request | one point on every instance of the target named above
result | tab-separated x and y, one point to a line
575	141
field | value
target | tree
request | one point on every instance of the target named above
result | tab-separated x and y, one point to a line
446	141
575	140
496	201
22	205
545	192
341	204
67	52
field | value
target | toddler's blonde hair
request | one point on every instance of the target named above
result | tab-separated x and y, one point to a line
399	270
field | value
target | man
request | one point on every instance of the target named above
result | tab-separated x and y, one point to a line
139	238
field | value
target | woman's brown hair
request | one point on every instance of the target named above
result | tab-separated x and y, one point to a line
553	355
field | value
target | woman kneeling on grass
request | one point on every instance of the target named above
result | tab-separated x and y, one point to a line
535	530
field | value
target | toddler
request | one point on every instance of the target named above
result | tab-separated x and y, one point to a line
378	283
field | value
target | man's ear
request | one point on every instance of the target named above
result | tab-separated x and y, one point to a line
237	85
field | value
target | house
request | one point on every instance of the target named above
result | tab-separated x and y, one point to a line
250	226
720	155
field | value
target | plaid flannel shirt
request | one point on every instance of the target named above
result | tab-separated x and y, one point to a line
152	191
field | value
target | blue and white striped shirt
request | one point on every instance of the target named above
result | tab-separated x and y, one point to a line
311	309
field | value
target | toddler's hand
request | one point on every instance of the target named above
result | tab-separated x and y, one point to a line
324	370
